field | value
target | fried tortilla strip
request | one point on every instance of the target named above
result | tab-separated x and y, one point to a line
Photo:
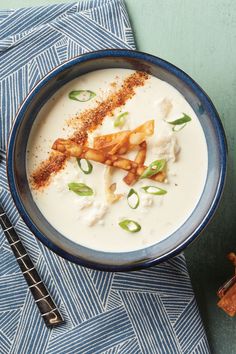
122	142
227	293
228	301
232	258
140	158
147	128
110	187
70	148
88	121
112	142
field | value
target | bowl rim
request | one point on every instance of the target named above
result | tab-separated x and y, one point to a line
127	53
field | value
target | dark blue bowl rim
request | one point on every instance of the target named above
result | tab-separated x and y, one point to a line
169	67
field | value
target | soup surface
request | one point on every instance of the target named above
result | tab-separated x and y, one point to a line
89	201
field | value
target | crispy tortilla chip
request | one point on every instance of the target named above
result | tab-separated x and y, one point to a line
140	158
107	142
147	128
110	187
70	148
122	142
228	301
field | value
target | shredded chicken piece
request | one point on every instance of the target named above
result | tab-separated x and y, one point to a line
168	147
166	106
96	215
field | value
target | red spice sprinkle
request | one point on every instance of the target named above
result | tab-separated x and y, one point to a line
41	176
85	122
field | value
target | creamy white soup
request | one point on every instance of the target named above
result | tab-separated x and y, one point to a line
88	200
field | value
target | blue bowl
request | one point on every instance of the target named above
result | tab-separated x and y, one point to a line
217	154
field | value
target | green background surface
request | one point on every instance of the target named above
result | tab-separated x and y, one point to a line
199	37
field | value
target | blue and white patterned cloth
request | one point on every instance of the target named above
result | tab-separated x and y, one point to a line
148	311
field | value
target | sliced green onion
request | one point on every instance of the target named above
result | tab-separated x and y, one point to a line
133	199
81	95
180	123
80	189
153	168
120	119
177	128
88	169
130	225
154	190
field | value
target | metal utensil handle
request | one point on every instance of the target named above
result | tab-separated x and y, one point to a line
46	305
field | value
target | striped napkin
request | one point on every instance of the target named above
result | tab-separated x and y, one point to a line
147	311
